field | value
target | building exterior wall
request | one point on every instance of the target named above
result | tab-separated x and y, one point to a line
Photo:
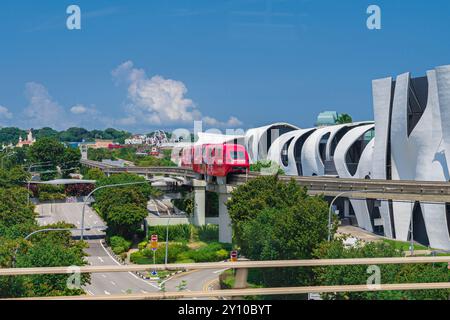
408	145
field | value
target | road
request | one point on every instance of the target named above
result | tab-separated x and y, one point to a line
114	283
49	213
111	283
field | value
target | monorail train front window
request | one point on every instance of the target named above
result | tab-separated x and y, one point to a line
237	155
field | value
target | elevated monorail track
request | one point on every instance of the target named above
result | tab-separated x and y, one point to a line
397	190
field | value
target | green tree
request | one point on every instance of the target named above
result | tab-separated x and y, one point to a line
17	219
249	199
274	220
69	161
11	135
126	219
286	234
14	209
50	250
45	132
48	150
344	118
94	174
14	177
358	274
268	166
133	197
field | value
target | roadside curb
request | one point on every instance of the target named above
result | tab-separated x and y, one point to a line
140	274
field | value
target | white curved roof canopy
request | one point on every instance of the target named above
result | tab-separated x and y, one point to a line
364	169
276	149
257	149
213	138
292	167
365	161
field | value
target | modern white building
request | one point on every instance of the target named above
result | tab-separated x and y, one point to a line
409	139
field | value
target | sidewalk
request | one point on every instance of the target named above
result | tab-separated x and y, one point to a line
359	233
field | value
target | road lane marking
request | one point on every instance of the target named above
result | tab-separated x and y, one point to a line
220	271
89	292
107	293
113	283
104	275
150	284
101	260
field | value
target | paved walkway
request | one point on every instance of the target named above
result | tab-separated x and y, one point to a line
359	233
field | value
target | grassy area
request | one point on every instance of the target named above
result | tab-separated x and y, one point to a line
180	252
404	246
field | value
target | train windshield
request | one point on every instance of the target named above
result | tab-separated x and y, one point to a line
237	155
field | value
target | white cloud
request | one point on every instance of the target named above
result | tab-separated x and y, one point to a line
42	110
159	101
78	109
4	113
231	122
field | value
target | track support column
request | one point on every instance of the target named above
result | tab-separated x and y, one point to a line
199	202
225	230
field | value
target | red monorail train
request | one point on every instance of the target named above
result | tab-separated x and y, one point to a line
217	160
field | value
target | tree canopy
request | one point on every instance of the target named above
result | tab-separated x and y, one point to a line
344	118
74	134
124	207
17	219
359	274
274	220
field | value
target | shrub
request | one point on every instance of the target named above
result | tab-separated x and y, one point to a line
118	250
222	254
139	258
50	188
209	253
178	232
45	196
119	244
208	233
142	245
79	190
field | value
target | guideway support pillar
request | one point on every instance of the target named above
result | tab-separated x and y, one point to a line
225	230
199	202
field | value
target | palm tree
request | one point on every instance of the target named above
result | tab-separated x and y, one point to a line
344	118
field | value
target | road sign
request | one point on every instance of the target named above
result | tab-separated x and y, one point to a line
234	256
154	242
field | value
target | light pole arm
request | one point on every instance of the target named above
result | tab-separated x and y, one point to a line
334	200
39	231
103	187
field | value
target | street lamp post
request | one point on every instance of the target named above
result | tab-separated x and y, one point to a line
34	165
103	187
47	230
334	199
48	171
167	240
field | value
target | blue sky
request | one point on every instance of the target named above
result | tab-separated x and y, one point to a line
141	65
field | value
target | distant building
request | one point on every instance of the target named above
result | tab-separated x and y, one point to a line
136	140
101	144
30	140
326	118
